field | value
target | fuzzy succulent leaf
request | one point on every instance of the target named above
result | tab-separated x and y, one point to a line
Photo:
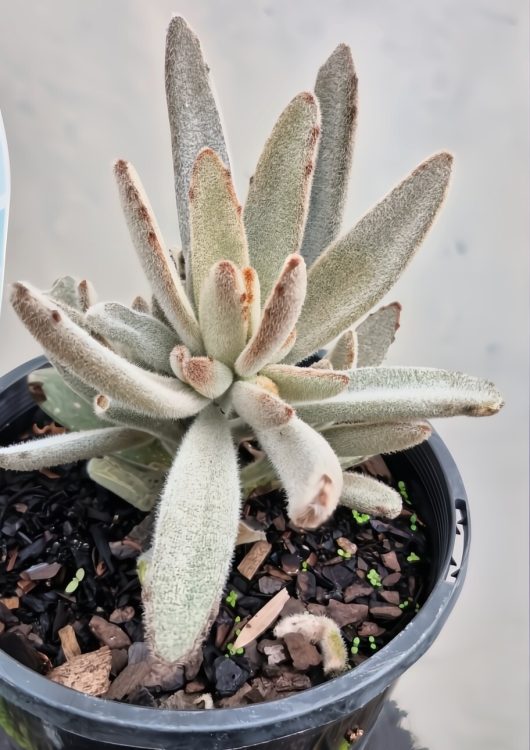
376	334
86	294
259	407
343	355
309	470
154	257
322	364
207	376
141	305
61	403
168	430
278	196
366	439
284	349
54	450
318	629
336	92
142	338
252	299
195	534
383	394
368	495
99	367
193	117
305	383
280	314
358	269
217	231
137	485
223	312
65	291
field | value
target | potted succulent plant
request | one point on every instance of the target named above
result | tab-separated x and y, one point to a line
224	383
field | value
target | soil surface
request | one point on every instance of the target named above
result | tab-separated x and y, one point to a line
70	605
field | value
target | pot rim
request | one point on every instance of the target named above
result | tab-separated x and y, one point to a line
65	707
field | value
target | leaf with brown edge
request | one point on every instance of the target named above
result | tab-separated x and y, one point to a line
98	366
154	257
217	231
365	439
260	407
252	299
357	270
368	495
278	196
207	376
279	317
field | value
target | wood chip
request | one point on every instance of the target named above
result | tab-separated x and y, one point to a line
254	559
356	590
392	597
303	653
369	628
42	571
69	643
128	680
262	619
246	534
385	611
237	699
288	681
88	673
111	635
119	616
392	579
390	561
346	614
11	602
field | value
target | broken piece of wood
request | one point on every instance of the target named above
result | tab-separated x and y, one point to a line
254	559
69	643
262	619
88	673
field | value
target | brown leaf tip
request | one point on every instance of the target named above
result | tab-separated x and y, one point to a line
121	167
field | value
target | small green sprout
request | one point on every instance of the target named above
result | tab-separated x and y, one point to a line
305	566
413	520
238	631
374	578
417	608
413	557
344	554
403	492
344	745
76	580
361	518
237	618
234	651
231	599
371	641
355	647
403	605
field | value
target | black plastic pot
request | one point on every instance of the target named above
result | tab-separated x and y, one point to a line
42	715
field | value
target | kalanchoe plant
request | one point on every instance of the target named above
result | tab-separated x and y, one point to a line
211	361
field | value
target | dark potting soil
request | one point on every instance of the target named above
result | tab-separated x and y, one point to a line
70	603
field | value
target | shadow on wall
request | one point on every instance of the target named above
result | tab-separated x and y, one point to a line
389	735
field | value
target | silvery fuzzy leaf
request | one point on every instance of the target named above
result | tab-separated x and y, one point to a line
365	439
336	92
358	269
223	312
306	383
376	334
194	539
193	117
384	394
368	495
98	366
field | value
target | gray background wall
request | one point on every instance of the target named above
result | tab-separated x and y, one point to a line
81	83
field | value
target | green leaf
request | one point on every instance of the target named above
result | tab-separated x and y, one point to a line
217	231
138	485
61	403
278	196
72	586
